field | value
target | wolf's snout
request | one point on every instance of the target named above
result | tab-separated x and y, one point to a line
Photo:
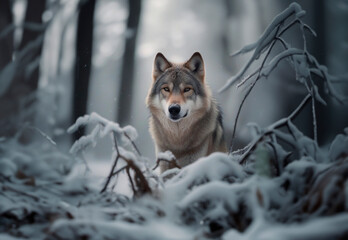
174	110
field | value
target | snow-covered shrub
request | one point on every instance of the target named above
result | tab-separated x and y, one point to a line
126	136
33	178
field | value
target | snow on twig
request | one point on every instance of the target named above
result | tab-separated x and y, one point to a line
126	135
168	157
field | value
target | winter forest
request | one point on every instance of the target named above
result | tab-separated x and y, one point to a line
76	157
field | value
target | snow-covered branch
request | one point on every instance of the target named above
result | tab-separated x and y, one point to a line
126	135
301	61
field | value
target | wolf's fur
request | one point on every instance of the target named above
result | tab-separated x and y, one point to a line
196	130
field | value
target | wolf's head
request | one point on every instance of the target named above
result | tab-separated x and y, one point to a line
178	90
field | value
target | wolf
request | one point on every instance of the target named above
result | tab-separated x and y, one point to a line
185	118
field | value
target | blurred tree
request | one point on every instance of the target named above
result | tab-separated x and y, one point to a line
84	44
6	51
17	102
127	72
6	41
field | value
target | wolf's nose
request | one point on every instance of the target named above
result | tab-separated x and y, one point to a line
174	109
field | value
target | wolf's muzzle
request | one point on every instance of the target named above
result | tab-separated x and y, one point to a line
174	111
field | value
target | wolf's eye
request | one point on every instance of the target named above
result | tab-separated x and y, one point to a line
187	89
166	89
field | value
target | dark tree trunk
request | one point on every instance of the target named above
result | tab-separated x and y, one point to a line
319	51
127	74
25	82
33	14
6	43
6	50
84	44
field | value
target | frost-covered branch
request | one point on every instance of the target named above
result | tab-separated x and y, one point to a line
265	40
120	135
301	61
167	157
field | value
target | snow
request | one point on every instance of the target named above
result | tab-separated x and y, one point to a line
214	191
167	155
322	228
85	141
210	192
339	146
7	167
102	128
109	230
201	171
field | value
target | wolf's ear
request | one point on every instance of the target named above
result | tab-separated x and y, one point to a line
160	65
196	65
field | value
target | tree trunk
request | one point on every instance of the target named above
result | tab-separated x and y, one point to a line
17	106
6	43
6	50
127	74
84	44
28	80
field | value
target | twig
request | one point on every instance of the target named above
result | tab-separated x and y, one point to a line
275	125
248	77
311	91
113	166
315	131
293	22
119	170
4	188
326	77
140	180
133	144
131	180
241	150
276	160
248	92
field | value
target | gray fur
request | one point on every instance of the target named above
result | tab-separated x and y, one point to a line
181	76
196	134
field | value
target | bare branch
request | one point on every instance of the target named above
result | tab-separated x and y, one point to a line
113	166
133	144
120	170
131	180
247	94
280	123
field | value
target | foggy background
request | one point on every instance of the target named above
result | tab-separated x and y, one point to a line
63	59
